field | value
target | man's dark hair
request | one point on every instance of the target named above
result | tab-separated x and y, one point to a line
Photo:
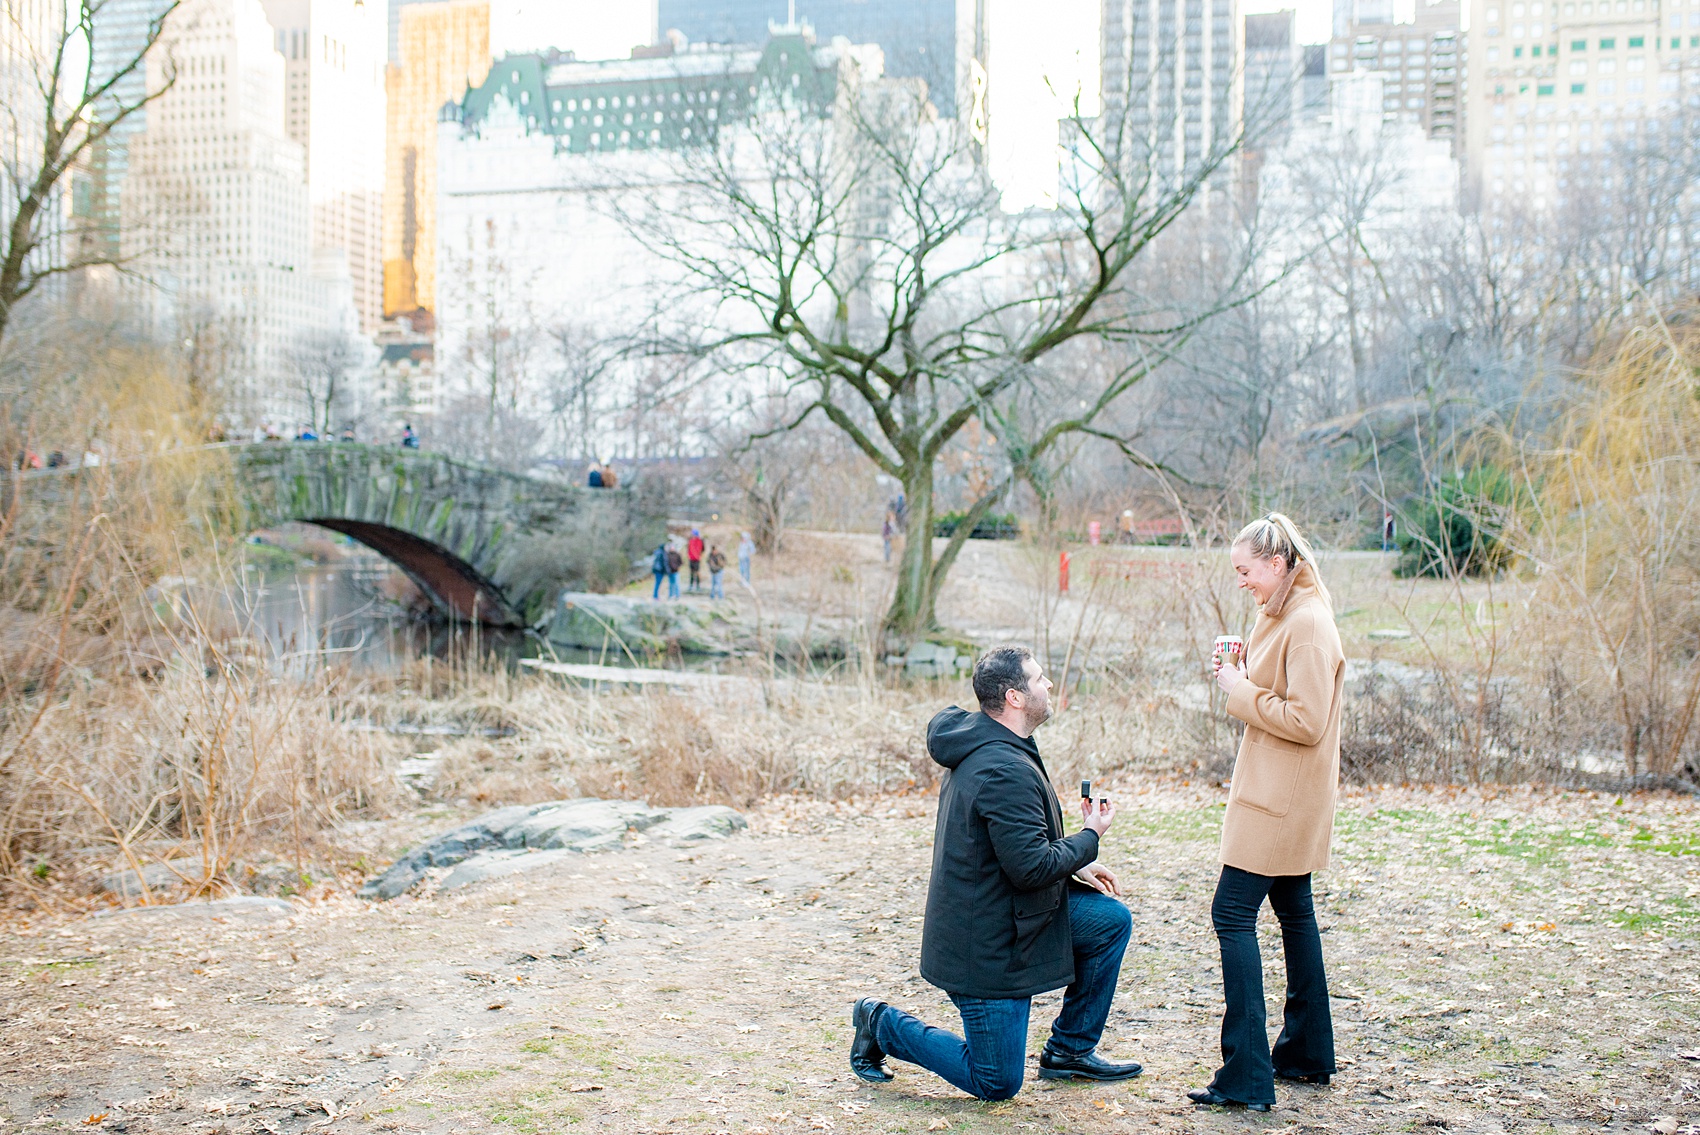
999	671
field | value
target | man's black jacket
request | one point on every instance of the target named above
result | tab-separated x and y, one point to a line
997	910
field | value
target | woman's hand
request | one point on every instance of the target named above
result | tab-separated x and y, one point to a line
1229	678
1100	878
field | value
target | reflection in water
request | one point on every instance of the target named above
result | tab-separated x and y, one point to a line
343	614
340	614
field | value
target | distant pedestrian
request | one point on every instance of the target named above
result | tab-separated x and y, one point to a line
409	439
746	551
347	433
694	550
674	562
610	479
595	478
716	565
272	433
658	566
306	434
55	459
887	531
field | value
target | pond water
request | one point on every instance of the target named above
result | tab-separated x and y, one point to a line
345	614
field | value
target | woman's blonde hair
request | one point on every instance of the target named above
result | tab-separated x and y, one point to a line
1277	535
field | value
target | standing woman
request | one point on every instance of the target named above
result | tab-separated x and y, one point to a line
1280	815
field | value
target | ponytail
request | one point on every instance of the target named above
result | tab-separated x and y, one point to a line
1277	535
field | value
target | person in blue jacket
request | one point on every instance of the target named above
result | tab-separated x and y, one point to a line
658	567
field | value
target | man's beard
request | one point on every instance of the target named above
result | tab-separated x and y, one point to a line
1034	722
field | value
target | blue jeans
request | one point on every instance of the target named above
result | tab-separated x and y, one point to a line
989	1060
659	576
715	589
744	567
672	585
1306	1044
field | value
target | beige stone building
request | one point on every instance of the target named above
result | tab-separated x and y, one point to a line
444	50
1558	86
1423	64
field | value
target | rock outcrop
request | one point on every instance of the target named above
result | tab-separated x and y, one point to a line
510	839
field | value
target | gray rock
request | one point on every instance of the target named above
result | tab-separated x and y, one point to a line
495	864
158	876
693	825
931	660
581	825
243	906
641	626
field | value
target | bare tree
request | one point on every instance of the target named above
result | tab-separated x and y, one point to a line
579	389
324	364
63	105
859	251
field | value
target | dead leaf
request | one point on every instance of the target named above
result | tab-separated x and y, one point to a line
497	1005
1663	1125
939	1125
749	1028
585	1087
1691	1054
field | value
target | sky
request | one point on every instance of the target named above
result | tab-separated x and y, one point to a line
1052	59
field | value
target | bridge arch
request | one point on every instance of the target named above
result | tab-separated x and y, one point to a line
485	545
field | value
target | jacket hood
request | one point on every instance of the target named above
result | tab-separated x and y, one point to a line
953	734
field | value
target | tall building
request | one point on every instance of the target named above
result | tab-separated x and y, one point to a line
1559	90
122	30
444	52
29	34
216	208
1169	80
917	36
334	107
1423	65
1274	67
395	28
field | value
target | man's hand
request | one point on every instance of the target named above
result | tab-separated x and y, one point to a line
1096	818
1100	878
1229	677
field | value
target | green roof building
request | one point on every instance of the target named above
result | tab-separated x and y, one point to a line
659	100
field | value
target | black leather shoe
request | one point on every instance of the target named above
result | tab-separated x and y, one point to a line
1210	1099
1320	1079
867	1058
1088	1067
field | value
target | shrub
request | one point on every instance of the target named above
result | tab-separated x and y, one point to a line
1457	528
992	526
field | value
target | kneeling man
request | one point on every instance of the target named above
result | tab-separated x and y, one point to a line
1004	921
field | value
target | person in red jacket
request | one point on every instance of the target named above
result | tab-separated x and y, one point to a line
693	552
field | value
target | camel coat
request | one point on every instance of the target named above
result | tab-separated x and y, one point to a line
1281	801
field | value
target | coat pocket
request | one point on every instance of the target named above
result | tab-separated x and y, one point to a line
1033	912
1267	773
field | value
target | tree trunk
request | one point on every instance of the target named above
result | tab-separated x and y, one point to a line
911	614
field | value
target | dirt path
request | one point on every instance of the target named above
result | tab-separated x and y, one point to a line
1523	963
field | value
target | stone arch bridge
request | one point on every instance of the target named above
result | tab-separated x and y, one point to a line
485	545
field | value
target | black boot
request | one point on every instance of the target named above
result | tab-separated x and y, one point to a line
1209	1098
867	1058
1088	1067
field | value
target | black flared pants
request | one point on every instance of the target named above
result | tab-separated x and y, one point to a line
1306	1044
